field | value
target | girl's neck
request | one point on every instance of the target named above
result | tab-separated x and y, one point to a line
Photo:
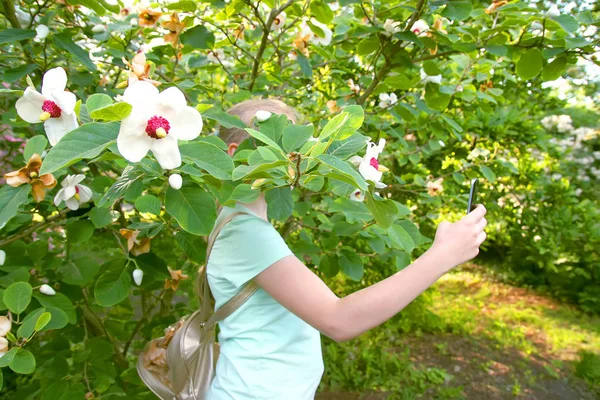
258	206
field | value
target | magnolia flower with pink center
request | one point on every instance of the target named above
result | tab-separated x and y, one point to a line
157	121
368	166
419	27
278	21
72	193
323	37
435	187
357	195
55	107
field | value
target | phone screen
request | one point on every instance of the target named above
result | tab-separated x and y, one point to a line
473	195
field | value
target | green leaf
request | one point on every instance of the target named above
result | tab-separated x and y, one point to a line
23	363
352	265
29	323
80	231
401	237
263	138
567	22
497	49
402	260
224	119
242	193
347	147
14	74
78	272
305	66
14	35
193	246
280	203
412	230
185	5
113	286
97	101
17	297
329	265
59	318
488	173
434	98
7	358
65	42
431	68
57	302
193	208
35	145
294	136
199	37
457	10
384	211
354	122
321	12
148	204
100	217
209	158
114	112
118	189
585	17
246	171
368	45
403	82
85	142
530	64
10	200
334	126
343	171
42	321
555	69
452	123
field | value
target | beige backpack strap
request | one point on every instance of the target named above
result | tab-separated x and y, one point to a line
206	302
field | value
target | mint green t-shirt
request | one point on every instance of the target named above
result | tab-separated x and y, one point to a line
267	352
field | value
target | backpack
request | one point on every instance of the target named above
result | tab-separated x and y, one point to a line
181	364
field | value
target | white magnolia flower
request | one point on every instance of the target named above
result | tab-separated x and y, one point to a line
553	11
419	27
390	27
176	181
5	325
72	193
368	166
23	17
215	55
138	275
262	115
316	37
430	78
54	106
478	152
357	196
47	290
537	238
2	257
578	192
42	31
157	121
435	187
3	346
99	28
387	100
278	21
536	26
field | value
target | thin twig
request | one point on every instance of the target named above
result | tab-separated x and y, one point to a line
33	228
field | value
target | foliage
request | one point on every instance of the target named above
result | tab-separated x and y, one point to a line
460	96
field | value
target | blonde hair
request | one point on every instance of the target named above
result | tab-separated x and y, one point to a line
246	111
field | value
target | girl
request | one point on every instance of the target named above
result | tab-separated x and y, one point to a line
270	347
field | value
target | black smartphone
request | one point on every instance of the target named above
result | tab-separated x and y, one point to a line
473	195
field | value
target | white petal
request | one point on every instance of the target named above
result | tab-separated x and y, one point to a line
380	185
72	203
60	196
138	274
85	193
42	31
172	98
141	93
356	160
75	179
56	128
55	80
133	142
47	290
187	124
384	97
65	100
166	152
29	107
369	173
69	192
2	257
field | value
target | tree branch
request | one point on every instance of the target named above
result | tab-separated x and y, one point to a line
380	75
34	228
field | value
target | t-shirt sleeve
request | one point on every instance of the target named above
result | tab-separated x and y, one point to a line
247	246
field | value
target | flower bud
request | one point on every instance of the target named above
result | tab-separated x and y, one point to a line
262	115
3	346
47	290
175	180
99	28
138	274
258	183
5	325
42	31
2	257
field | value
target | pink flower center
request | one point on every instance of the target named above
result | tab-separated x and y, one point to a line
156	123
51	108
76	189
374	163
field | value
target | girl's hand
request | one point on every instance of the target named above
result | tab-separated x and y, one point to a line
459	242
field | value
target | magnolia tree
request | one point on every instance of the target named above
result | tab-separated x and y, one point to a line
113	167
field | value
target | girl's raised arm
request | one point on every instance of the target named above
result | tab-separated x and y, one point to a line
303	293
